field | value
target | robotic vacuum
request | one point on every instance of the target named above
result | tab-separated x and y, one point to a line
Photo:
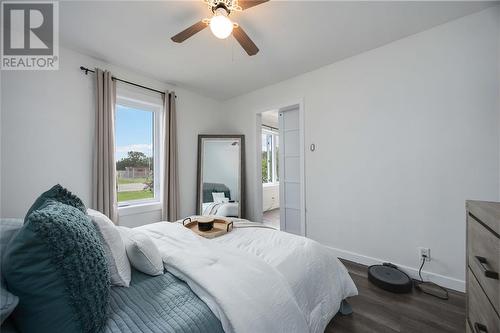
388	277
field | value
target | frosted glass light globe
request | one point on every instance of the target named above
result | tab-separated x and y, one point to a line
221	26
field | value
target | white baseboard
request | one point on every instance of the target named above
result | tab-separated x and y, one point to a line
442	280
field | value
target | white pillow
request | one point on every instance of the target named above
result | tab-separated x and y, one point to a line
118	264
218	197
142	252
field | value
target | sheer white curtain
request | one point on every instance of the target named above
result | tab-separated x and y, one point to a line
170	178
104	168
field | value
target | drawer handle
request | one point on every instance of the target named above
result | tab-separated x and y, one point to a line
478	328
488	273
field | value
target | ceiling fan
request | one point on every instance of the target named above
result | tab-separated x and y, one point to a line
220	24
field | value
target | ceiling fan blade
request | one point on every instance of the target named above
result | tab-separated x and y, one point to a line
246	43
185	34
244	4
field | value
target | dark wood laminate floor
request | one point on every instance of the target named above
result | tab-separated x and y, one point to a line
376	310
272	218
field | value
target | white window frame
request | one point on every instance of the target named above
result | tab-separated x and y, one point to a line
274	165
146	103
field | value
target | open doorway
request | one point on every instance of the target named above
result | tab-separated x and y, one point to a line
281	168
270	168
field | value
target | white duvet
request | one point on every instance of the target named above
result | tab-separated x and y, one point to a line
257	279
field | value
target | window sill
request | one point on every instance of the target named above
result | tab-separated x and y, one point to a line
139	208
270	184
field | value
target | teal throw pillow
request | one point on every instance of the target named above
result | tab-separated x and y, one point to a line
57	266
60	194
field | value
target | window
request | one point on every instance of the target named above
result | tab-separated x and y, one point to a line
270	153
136	151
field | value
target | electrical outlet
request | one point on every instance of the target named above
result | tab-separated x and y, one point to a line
424	251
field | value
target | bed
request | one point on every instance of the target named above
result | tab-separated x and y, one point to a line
254	279
227	208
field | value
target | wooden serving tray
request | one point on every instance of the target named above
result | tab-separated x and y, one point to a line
221	227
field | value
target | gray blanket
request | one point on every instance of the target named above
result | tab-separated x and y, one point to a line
159	304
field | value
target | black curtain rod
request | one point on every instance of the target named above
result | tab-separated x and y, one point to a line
87	70
270	127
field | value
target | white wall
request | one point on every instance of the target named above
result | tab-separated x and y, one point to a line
47	128
270	197
404	134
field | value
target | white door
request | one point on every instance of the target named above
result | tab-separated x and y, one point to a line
290	171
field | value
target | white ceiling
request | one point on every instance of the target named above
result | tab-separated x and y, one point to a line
294	37
270	118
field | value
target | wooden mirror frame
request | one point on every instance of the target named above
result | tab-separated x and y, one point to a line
199	185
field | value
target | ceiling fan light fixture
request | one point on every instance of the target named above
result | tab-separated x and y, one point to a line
220	25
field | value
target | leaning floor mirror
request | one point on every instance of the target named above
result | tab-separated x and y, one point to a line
221	166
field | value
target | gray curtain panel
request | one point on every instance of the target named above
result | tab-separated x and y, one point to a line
104	169
170	188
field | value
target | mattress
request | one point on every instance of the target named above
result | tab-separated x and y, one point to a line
159	304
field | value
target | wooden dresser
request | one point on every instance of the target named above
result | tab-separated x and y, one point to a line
483	267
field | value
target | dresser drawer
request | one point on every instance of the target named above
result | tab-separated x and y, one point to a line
486	212
482	316
484	259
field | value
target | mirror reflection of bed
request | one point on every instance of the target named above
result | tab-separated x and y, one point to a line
217	200
219	175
